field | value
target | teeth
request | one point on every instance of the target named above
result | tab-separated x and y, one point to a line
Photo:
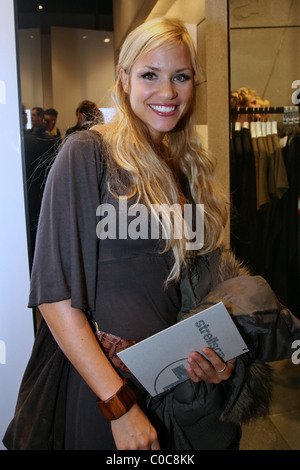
163	109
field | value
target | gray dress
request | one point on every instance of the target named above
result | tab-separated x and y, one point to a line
121	281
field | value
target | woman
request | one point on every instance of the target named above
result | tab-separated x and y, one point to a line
149	153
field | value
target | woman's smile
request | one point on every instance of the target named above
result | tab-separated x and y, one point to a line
163	110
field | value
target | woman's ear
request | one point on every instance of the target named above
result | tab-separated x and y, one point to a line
124	79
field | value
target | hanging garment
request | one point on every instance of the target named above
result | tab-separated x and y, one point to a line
282	236
244	220
263	194
280	173
268	239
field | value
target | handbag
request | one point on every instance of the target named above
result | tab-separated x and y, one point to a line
111	344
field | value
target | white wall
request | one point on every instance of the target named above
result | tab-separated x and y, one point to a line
82	69
16	325
265	48
31	66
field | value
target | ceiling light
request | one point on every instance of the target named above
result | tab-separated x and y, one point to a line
107	40
41	7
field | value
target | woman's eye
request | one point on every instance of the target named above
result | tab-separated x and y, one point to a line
182	77
149	76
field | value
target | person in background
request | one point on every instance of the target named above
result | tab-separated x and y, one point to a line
40	147
24	117
87	114
37	121
50	118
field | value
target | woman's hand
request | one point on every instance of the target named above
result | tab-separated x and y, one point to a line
214	370
133	431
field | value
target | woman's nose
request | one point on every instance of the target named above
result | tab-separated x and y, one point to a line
167	89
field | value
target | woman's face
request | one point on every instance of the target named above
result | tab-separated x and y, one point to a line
160	88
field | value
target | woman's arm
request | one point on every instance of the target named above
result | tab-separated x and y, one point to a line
76	339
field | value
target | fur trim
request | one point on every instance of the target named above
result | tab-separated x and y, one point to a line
256	393
230	266
255	397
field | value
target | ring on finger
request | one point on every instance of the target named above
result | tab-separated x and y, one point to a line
222	370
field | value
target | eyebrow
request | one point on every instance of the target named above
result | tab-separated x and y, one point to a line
158	68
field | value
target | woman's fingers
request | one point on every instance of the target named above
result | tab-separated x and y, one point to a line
209	368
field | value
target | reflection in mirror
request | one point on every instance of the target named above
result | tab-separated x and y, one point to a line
265	141
66	62
66	56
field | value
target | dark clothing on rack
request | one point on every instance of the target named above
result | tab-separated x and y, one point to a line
277	218
263	161
283	268
244	222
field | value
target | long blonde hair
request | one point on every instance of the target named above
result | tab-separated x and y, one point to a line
132	152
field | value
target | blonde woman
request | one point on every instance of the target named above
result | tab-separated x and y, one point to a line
149	154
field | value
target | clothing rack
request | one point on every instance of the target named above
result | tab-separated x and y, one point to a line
266	110
290	113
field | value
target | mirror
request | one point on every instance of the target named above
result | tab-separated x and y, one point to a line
66	55
265	97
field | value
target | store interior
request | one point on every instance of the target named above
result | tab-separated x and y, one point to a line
66	54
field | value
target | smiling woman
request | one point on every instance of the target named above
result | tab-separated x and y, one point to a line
134	286
160	88
149	153
155	99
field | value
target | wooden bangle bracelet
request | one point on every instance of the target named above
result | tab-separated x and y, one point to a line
117	405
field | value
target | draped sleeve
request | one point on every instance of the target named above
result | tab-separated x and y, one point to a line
66	253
